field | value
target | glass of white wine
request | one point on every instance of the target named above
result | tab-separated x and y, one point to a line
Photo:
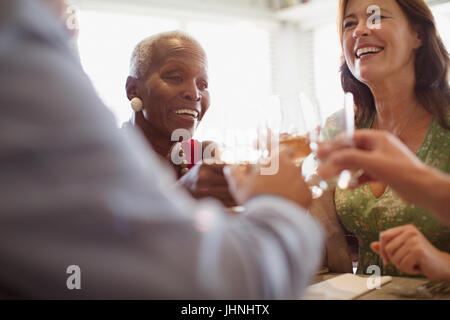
291	127
293	120
313	121
339	124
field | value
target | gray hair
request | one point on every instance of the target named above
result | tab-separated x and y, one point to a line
141	58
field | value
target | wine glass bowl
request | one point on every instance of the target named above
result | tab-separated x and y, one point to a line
292	129
339	128
299	143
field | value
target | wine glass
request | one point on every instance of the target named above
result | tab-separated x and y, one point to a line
294	128
286	123
340	124
309	121
239	149
293	120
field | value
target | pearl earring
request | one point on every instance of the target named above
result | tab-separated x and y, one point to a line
136	104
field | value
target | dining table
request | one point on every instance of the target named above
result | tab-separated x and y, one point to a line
400	288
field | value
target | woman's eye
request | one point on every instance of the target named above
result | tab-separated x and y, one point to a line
203	86
349	24
175	78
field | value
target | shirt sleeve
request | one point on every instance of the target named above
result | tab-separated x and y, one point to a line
75	191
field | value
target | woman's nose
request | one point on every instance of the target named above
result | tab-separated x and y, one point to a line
361	30
191	92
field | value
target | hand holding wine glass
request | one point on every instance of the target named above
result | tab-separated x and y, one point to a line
286	182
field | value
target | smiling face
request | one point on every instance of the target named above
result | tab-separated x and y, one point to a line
175	90
376	55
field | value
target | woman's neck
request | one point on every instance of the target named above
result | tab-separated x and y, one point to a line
160	143
400	113
396	103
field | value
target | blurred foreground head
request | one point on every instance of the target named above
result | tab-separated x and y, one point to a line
67	13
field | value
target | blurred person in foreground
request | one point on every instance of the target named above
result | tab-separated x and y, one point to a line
76	191
383	157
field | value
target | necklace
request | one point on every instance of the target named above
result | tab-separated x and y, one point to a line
178	159
375	124
183	165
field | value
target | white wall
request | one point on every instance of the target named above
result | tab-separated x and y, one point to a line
236	39
252	54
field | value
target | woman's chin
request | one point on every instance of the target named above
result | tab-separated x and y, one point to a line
369	76
367	72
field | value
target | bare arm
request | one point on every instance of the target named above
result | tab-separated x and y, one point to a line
384	158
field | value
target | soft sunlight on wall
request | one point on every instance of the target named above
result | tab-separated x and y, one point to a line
238	55
105	43
245	64
326	68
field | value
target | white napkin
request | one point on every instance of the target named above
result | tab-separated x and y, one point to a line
344	287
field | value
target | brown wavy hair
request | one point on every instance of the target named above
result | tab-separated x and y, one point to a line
431	67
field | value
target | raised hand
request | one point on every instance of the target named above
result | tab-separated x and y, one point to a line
287	182
207	180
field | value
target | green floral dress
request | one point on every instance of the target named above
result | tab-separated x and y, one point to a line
364	215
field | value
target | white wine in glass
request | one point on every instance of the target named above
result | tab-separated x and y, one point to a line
293	130
295	120
299	143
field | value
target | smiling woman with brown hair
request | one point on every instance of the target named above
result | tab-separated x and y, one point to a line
431	64
398	72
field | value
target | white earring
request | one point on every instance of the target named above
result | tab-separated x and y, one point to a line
136	104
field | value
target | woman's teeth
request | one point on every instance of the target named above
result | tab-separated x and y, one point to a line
368	50
187	111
